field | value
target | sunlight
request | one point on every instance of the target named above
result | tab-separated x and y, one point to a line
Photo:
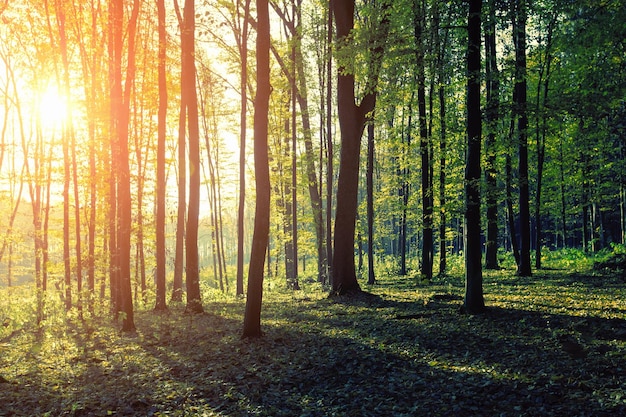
52	108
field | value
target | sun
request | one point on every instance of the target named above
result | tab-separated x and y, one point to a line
52	108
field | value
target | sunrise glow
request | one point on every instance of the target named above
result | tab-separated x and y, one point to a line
52	108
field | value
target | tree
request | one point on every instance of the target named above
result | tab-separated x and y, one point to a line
161	185
541	117
242	42
519	106
260	238
474	302
121	109
371	277
298	82
427	194
179	262
188	90
352	119
492	117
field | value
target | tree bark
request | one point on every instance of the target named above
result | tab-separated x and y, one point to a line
492	116
260	238
427	195
519	34
352	118
371	277
474	302
243	51
188	75
160	168
121	117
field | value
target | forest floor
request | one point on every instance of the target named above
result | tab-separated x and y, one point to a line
550	345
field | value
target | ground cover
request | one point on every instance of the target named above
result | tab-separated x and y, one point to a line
551	345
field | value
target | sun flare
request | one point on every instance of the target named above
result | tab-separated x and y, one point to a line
52	108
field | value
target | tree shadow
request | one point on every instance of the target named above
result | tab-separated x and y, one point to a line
376	357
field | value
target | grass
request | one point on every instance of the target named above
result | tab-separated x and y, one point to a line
553	344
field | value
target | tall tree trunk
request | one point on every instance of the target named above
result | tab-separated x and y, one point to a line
66	139
181	213
427	195
260	239
298	80
541	132
243	52
371	277
286	206
520	106
492	115
329	142
405	188
443	241
294	179
441	76
352	118
121	118
188	76
474	302
161	185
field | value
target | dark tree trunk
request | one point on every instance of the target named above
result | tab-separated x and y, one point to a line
474	302
179	251
405	189
443	242
541	132
441	79
329	143
427	195
188	75
492	115
371	278
243	51
352	118
294	179
562	192
260	238
124	218
519	34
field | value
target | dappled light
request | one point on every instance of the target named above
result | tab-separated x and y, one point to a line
312	208
400	353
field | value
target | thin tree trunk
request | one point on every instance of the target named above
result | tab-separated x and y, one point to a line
492	115
294	179
329	142
441	53
443	241
161	185
179	252
260	240
243	51
520	106
427	195
60	15
405	188
192	267
371	278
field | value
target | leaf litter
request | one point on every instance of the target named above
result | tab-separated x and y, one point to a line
551	345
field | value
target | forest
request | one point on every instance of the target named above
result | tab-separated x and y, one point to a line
314	208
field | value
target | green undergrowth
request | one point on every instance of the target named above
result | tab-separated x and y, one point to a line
553	344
